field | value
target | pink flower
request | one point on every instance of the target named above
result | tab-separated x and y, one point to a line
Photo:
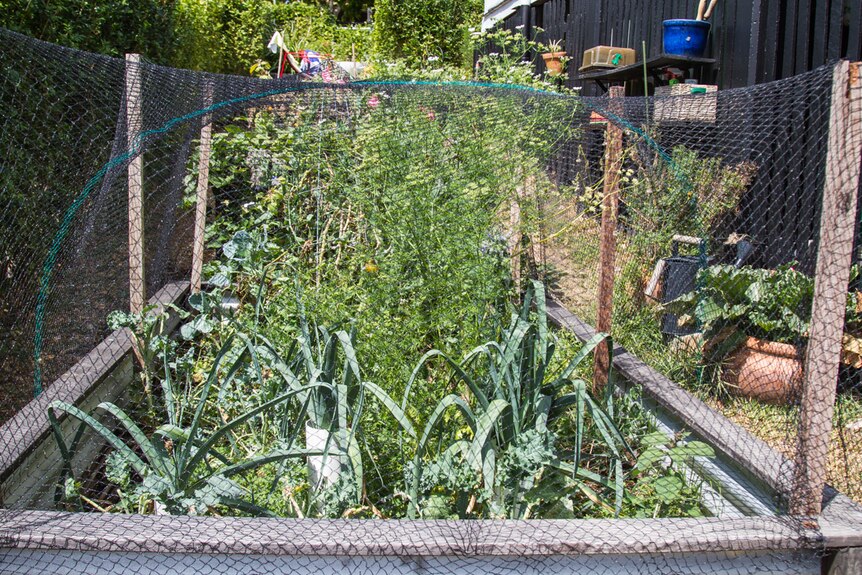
373	101
429	112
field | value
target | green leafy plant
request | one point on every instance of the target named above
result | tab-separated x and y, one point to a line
661	487
181	468
149	340
555	46
509	443
382	228
689	194
507	57
773	305
415	30
333	395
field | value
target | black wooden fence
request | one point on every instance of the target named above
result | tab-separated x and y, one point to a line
752	41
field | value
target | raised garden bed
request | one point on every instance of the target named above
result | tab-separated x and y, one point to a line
393	217
746	536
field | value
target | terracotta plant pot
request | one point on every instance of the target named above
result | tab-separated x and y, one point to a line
765	370
554	62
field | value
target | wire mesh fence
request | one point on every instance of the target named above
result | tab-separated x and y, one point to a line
398	293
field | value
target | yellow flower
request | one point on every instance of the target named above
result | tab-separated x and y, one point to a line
371	267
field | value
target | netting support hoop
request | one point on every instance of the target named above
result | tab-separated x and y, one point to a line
832	273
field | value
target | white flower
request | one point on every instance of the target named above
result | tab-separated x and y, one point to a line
520	27
433	58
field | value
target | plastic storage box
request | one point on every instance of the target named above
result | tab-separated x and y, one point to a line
606	57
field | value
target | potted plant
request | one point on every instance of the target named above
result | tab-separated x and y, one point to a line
755	324
554	57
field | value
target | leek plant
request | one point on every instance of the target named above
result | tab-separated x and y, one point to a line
509	411
323	369
182	468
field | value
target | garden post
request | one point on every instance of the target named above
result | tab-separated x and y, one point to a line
607	249
203	185
834	252
134	125
514	242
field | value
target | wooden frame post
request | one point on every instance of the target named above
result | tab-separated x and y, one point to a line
835	246
203	186
607	250
134	125
515	243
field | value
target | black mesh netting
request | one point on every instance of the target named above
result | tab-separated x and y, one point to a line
228	301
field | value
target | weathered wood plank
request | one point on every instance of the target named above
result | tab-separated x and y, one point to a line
419	538
134	125
21	434
846	561
837	225
854	31
801	47
836	32
735	442
121	563
841	519
754	47
613	164
820	37
202	188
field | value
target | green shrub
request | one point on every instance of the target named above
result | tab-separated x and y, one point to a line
225	36
111	27
415	30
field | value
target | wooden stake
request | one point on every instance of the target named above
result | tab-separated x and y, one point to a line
837	225
536	259
515	242
607	250
134	125
203	186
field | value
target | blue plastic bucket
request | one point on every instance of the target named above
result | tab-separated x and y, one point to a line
685	37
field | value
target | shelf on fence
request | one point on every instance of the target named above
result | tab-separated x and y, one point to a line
635	71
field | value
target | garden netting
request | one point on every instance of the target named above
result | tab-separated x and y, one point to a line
399	312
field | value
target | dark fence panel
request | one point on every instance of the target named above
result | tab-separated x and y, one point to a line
752	41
